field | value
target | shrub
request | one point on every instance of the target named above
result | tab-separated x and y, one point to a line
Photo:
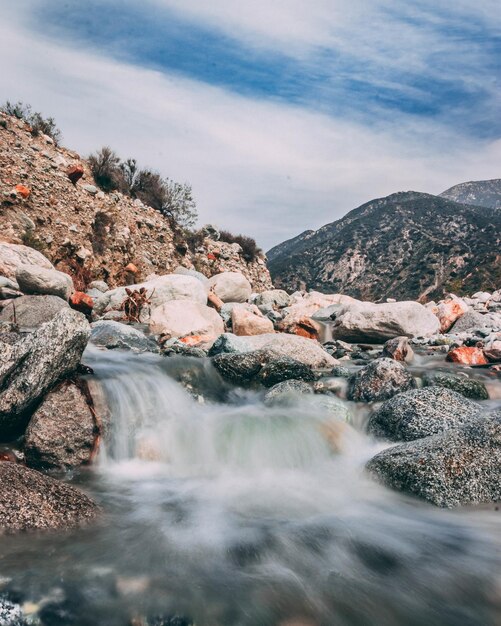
250	249
106	169
17	109
38	123
194	239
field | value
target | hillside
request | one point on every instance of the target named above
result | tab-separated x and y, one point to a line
486	193
91	234
407	245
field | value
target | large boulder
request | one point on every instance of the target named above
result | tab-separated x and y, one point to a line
39	280
178	318
231	287
467	387
62	431
275	298
159	290
283	368
364	321
30	367
30	500
30	312
469	321
457	467
240	369
380	380
304	350
115	335
420	413
13	256
245	322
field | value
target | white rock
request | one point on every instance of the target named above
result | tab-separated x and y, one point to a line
231	287
13	255
305	350
481	296
38	280
179	318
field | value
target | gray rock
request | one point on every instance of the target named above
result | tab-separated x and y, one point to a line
184	271
62	432
32	311
398	349
276	298
307	351
469	321
341	372
13	255
457	467
30	367
100	285
92	189
282	368
30	500
420	413
240	368
286	393
9	283
38	280
467	387
228	343
380	380
111	335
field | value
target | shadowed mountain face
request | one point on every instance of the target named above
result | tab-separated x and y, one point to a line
486	193
407	245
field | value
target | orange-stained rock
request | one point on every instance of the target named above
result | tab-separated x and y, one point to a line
131	268
24	192
398	349
80	301
75	173
304	327
449	311
467	356
211	256
194	340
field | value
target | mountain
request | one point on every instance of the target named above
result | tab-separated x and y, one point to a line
406	245
486	193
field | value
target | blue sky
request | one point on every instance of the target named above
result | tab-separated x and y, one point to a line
283	114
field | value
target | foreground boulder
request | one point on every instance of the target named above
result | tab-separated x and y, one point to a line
231	287
467	387
39	280
115	335
365	321
32	501
457	467
30	367
301	349
240	369
30	312
420	413
13	256
380	380
179	318
284	368
62	432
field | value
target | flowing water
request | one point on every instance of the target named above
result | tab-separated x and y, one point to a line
233	513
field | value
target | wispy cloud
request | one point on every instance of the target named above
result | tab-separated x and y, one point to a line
283	115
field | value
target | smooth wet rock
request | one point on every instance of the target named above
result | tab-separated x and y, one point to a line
13	256
365	321
115	335
457	467
62	432
467	387
398	349
30	367
240	368
30	500
42	281
32	311
282	368
380	380
178	318
286	393
420	413
231	287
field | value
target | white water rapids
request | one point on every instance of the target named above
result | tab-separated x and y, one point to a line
233	513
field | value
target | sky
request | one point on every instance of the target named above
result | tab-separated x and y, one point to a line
283	115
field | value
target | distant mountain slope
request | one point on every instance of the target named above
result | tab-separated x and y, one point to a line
486	193
407	245
286	246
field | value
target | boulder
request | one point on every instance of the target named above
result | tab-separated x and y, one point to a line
450	310
178	318
184	271
30	367
240	369
249	323
465	355
286	393
380	380
276	298
32	311
13	256
304	350
377	323
39	280
62	432
398	349
159	290
228	343
420	413
457	467
30	500
472	320
282	368
231	287
467	387
115	335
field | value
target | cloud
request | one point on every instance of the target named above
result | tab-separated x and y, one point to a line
260	166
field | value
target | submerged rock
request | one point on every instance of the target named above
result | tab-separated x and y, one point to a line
30	500
420	413
62	432
380	380
32	311
457	467
286	393
115	335
467	387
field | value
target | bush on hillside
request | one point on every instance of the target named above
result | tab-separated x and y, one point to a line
105	168
250	249
39	124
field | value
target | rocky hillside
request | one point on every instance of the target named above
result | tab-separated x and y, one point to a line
89	234
486	193
408	245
